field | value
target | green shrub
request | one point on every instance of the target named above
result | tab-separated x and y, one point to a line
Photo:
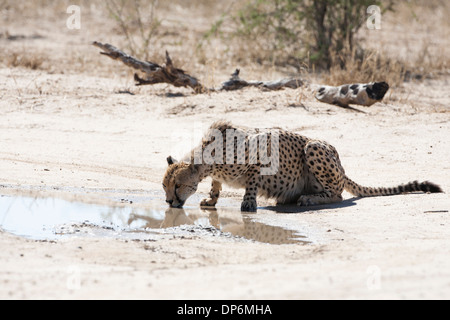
299	31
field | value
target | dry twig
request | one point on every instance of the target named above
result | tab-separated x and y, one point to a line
154	72
168	73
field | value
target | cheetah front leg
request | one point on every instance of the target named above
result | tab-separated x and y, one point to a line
216	187
323	162
251	191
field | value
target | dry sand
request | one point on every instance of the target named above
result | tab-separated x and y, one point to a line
75	131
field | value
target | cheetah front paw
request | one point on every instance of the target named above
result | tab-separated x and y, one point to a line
248	205
305	201
208	203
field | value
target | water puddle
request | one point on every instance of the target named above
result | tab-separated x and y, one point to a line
51	218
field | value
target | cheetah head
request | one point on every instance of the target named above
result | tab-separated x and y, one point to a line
180	182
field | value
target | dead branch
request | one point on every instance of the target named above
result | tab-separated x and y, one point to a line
343	96
154	72
236	83
168	73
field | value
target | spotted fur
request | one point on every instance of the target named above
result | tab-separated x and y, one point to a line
309	173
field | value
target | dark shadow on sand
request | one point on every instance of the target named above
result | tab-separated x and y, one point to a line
293	208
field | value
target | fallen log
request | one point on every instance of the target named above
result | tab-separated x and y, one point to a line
236	83
344	95
364	94
168	73
154	72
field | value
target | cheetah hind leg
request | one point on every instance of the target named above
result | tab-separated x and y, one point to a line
323	162
216	187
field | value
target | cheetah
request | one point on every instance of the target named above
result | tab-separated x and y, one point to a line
302	170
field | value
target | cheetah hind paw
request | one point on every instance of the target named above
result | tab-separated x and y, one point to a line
305	201
248	205
208	203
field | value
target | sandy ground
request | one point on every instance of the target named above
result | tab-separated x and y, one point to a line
75	131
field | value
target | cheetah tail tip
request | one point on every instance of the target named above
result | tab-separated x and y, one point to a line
430	187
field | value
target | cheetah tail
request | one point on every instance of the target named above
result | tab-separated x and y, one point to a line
360	191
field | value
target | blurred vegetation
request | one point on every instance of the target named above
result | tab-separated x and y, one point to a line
299	32
137	22
324	37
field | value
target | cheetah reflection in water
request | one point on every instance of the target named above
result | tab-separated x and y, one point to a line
225	220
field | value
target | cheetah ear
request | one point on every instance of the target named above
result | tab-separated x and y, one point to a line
194	167
171	160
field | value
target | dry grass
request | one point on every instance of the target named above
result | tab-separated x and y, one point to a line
184	25
32	62
23	59
369	66
413	44
376	66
